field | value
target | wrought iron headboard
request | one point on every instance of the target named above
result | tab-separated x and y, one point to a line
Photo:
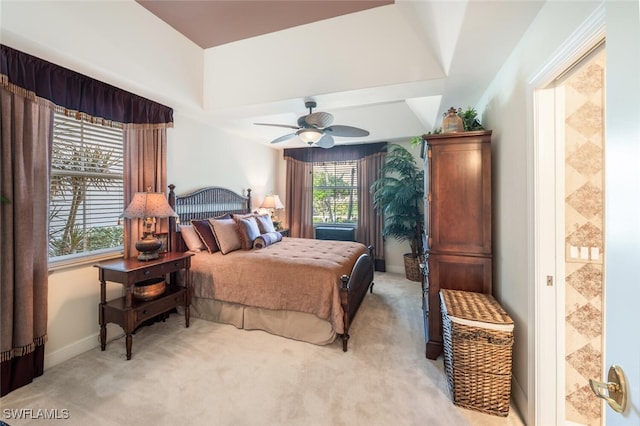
204	203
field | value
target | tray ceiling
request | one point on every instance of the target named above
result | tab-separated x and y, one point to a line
391	67
213	23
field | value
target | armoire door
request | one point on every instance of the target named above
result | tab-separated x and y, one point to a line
459	197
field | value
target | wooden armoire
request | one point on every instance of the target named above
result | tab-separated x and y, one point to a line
457	222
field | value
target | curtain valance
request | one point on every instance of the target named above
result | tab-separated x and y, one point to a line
335	153
77	92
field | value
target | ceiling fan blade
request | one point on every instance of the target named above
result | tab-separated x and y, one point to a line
284	138
346	131
326	141
319	119
277	125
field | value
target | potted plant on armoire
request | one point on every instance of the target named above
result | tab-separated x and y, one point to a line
398	195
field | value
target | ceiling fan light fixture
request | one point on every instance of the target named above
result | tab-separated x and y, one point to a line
309	135
316	128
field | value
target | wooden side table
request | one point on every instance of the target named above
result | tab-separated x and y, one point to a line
129	312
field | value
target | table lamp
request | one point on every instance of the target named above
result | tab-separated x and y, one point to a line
272	203
148	206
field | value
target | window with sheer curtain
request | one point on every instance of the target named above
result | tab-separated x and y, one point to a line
86	191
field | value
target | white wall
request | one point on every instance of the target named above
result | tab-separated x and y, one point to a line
505	108
348	50
200	155
122	44
394	250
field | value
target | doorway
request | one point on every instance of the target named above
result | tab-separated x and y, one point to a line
582	94
570	114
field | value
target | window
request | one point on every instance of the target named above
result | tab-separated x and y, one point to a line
86	195
335	192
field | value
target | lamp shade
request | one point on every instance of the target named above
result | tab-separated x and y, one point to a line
272	202
149	204
309	135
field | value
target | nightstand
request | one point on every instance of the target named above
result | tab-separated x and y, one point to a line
129	312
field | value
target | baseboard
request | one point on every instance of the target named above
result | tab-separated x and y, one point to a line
519	398
395	269
78	347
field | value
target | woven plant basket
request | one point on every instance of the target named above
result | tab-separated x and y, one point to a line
412	267
477	342
149	289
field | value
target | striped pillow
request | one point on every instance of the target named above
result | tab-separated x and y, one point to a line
249	231
267	239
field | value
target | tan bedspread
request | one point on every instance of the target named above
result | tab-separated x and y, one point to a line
294	274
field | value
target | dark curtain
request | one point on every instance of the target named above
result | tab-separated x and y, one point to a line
335	153
370	223
77	92
145	167
31	89
299	186
25	140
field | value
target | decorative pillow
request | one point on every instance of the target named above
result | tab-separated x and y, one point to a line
206	234
191	238
236	216
267	239
226	234
265	224
249	231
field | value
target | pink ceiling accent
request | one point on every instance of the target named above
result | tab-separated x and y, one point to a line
215	22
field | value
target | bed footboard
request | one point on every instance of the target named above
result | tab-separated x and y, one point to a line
354	288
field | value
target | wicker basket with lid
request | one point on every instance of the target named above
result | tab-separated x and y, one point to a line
477	341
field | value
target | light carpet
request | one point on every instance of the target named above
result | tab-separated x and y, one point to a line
215	374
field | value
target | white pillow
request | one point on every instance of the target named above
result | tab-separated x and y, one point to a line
191	238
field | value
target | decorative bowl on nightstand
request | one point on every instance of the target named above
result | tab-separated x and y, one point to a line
149	289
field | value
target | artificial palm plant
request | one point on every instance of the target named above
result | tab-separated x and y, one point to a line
398	195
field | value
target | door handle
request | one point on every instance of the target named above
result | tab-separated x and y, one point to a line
614	391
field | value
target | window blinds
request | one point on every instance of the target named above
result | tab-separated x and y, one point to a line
335	192
86	197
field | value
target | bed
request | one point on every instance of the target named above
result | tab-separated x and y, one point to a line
304	289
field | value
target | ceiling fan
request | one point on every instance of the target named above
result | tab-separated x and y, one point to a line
315	128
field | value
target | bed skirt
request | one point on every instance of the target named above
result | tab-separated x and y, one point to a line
293	325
